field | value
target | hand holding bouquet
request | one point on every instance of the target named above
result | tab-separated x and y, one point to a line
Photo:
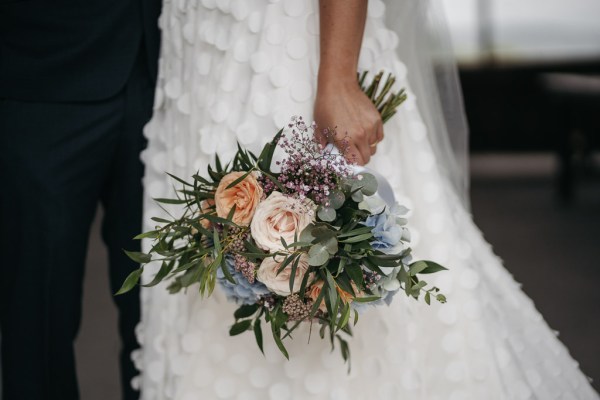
302	239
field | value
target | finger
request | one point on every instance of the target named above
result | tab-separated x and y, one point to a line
353	155
373	149
321	136
379	130
365	151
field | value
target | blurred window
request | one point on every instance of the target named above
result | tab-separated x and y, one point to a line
524	30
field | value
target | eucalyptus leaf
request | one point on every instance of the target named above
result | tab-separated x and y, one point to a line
417	267
258	335
246	311
337	199
170	201
240	179
130	281
147	235
139	257
357	197
358	238
164	270
432	267
368	184
318	255
326	214
277	337
367	299
331	245
240	327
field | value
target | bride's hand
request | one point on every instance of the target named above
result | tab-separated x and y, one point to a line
344	106
340	103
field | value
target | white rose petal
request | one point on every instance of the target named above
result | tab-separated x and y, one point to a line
280	284
280	216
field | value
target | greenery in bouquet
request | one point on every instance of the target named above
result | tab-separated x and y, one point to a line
303	239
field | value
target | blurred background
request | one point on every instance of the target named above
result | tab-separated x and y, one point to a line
530	71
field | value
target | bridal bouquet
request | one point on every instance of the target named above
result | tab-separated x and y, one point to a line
305	239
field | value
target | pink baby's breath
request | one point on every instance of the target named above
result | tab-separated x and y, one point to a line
309	170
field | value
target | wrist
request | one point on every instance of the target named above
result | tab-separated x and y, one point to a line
336	78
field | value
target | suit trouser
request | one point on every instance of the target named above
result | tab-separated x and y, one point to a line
57	162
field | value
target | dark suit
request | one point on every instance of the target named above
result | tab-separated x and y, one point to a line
76	88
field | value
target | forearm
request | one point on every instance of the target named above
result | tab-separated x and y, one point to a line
342	23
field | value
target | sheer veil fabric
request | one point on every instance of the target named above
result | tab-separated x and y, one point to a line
236	71
426	49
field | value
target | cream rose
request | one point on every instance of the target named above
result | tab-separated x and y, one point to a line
280	284
280	216
245	196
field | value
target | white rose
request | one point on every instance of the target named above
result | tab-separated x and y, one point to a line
280	284
280	216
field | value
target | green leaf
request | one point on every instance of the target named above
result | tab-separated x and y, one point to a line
331	245
326	214
337	199
218	165
432	267
316	304
161	220
356	232
356	274
368	183
164	270
357	197
318	255
417	267
246	311
240	327
179	179
428	298
358	238
220	260
258	335
139	257
341	265
238	180
231	213
130	281
345	350
277	337
170	201
367	299
332	293
293	273
343	321
147	235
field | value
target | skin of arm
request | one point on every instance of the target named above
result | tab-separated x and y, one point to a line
340	103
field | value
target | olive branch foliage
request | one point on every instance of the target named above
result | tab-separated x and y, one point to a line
190	249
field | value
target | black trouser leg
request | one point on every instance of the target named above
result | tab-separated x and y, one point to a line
52	164
122	202
56	162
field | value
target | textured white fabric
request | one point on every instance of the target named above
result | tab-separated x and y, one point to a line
236	71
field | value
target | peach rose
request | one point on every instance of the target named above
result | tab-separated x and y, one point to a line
205	207
280	216
245	196
280	284
314	291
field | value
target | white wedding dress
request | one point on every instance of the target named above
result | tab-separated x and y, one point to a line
237	71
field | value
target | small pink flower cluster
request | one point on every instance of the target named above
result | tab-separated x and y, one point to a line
309	170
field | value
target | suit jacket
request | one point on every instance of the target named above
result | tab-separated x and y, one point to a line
74	50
